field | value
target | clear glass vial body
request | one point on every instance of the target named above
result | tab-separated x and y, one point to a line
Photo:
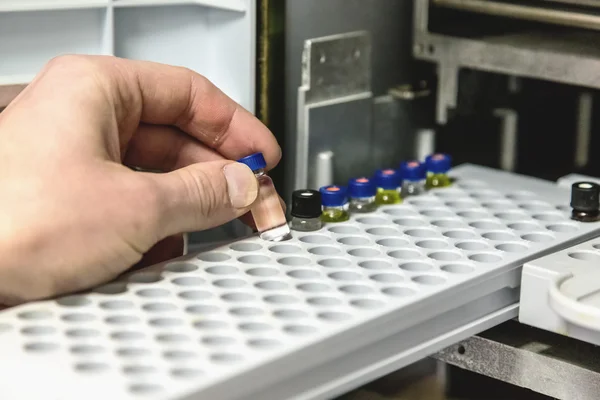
335	214
362	205
306	224
267	210
306	210
387	196
412	188
438	180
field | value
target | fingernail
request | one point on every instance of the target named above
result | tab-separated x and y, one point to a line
241	185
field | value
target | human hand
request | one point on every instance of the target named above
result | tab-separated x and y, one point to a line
71	214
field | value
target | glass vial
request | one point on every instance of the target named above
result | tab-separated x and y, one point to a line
335	204
362	193
585	201
306	211
387	182
437	166
267	211
413	178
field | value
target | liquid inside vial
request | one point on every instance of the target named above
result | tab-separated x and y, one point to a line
306	224
387	182
335	204
438	181
412	188
335	214
413	178
437	166
268	213
362	192
363	205
389	196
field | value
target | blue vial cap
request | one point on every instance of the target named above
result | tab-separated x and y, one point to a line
438	163
412	171
255	161
387	179
360	188
333	196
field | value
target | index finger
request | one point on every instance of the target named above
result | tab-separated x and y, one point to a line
161	94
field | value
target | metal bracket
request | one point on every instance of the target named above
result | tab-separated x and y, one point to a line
336	66
571	58
335	70
546	363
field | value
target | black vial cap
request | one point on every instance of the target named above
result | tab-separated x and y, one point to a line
306	203
585	196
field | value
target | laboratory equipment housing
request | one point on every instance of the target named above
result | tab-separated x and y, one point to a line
349	87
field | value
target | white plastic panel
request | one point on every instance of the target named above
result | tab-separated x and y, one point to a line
215	38
253	320
560	292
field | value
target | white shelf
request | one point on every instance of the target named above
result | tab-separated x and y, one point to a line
47	5
231	5
215	38
29	40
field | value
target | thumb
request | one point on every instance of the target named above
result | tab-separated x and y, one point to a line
205	195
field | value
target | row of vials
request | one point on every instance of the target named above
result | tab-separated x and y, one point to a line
312	208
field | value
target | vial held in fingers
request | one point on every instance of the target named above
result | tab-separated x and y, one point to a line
267	211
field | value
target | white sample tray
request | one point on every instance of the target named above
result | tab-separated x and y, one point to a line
308	318
560	292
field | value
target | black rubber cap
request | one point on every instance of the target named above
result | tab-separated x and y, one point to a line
585	196
306	203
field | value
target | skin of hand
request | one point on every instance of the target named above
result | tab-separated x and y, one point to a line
72	214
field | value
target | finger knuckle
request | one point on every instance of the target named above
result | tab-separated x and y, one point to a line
69	61
89	73
197	84
189	71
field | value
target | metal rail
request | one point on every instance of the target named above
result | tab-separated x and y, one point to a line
538	14
544	362
582	3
